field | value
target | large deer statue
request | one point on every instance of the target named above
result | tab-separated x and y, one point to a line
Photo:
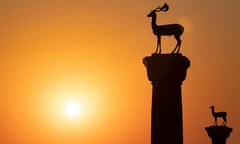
161	30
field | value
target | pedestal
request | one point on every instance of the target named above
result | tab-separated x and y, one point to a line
218	134
166	72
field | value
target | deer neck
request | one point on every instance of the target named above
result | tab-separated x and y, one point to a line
154	23
213	111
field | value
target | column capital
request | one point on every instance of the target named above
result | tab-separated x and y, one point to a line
218	134
170	68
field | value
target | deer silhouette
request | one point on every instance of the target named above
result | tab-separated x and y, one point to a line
170	29
223	115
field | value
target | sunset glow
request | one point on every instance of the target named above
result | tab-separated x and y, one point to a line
72	109
89	52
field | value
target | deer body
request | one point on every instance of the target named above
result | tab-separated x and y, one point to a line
222	115
170	29
167	29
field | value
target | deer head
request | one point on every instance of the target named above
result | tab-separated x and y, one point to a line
164	8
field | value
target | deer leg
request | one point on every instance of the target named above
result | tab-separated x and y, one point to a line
174	49
159	42
158	45
178	45
224	120
215	121
179	42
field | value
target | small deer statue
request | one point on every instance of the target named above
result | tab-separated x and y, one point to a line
223	115
170	29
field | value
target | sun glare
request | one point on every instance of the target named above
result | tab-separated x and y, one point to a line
72	109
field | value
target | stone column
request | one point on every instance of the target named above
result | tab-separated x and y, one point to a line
166	72
218	134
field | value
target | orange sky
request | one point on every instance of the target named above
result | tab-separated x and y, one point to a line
90	51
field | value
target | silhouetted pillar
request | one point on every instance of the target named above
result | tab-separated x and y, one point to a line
166	72
218	134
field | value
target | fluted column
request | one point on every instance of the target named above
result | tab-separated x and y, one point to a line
166	72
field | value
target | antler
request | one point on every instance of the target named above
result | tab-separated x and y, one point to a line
165	8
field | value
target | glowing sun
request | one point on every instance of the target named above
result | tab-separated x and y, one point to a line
72	109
